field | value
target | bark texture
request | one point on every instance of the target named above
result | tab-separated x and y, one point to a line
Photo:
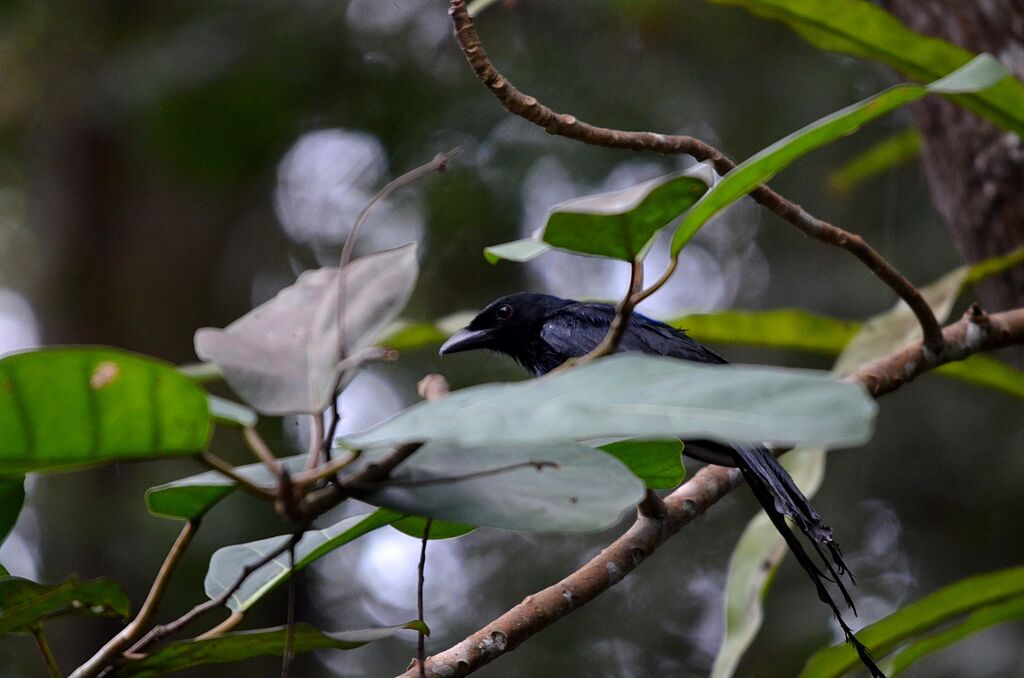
975	170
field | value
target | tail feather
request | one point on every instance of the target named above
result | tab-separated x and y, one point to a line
780	497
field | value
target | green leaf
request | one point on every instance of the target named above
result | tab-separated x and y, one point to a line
517	250
658	463
859	28
982	72
70	407
439	529
550	487
1011	610
224	411
620	224
404	335
963	597
783	328
12	496
761	549
982	370
241	645
24	602
629	395
886	154
752	566
191	497
283	356
228	562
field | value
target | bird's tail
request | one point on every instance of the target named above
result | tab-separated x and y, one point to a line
780	497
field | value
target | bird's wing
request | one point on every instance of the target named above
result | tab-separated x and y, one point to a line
576	329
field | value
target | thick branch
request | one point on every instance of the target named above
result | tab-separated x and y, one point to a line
973	333
569	126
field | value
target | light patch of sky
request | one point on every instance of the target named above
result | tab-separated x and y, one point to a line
19	331
326	179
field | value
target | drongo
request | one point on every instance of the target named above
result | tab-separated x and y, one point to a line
541	332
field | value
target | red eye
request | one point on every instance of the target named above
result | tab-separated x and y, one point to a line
504	312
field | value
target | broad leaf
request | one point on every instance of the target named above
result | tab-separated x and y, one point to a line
979	74
68	407
859	28
517	250
658	463
439	529
551	487
630	395
997	613
12	496
782	328
241	645
228	562
965	596
884	155
283	356
191	497
619	224
24	602
982	370
224	411
761	549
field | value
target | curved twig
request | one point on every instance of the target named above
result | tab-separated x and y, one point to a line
563	124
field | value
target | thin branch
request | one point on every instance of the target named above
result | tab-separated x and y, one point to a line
446	480
289	637
323	500
47	652
325	471
421	644
316	442
224	468
656	522
158	633
623	312
261	450
233	620
129	633
569	126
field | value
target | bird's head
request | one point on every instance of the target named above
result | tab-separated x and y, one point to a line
508	325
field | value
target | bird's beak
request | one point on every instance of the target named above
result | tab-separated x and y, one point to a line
465	340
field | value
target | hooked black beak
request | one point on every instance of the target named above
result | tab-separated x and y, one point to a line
465	340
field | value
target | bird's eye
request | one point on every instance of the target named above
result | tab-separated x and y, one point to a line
504	312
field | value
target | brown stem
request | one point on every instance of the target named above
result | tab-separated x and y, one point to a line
421	643
624	310
217	464
129	633
46	651
571	127
657	521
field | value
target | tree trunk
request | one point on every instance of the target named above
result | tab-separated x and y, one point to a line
975	170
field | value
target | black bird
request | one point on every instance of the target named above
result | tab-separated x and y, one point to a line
541	332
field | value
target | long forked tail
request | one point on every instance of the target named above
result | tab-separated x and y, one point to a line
780	497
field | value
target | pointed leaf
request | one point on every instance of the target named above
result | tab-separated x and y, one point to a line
191	497
517	250
629	395
283	356
620	224
227	563
553	487
982	72
69	407
882	156
24	602
659	463
241	645
439	529
963	597
859	28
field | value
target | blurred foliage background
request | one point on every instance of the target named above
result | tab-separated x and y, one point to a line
165	166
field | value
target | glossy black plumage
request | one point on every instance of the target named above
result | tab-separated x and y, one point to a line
541	332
